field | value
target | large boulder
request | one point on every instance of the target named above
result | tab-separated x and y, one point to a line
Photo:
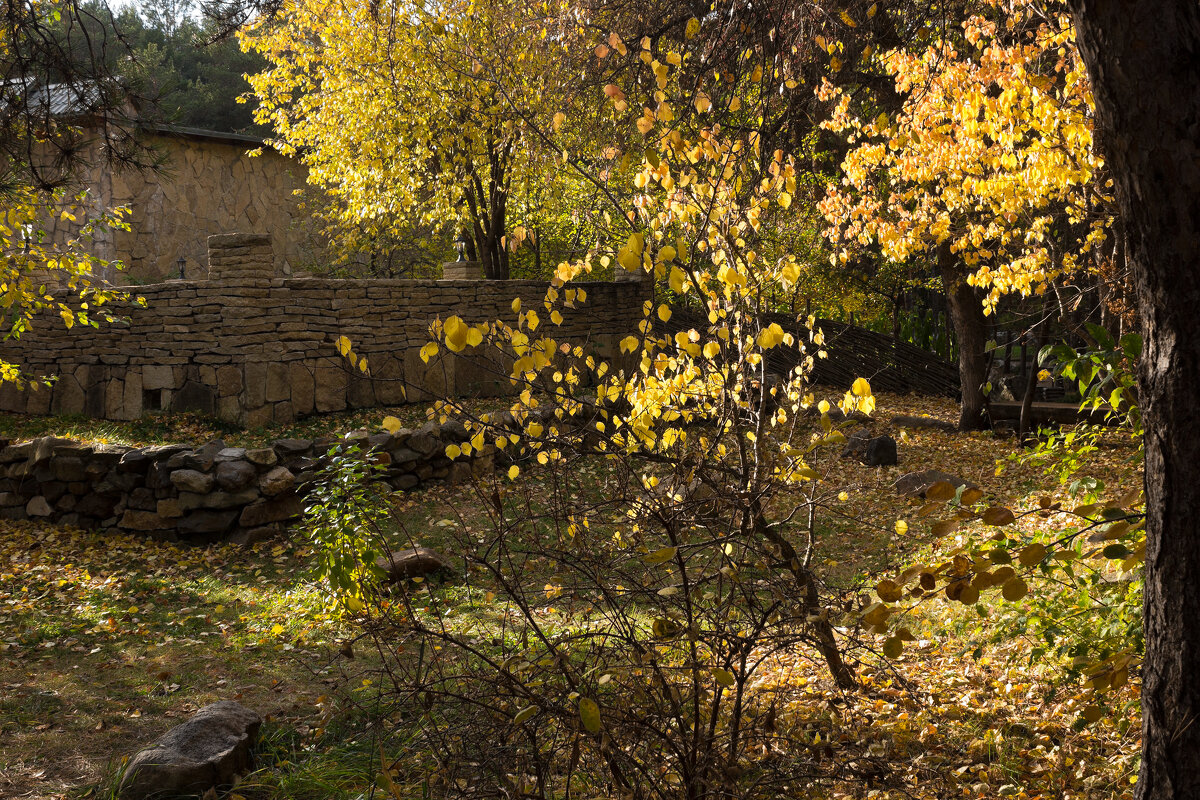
210	750
874	451
916	484
414	562
277	481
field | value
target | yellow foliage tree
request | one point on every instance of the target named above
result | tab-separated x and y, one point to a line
989	163
42	274
431	115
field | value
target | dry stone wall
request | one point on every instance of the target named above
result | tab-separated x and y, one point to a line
203	494
253	348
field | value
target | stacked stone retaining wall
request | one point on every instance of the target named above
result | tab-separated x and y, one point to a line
252	349
203	494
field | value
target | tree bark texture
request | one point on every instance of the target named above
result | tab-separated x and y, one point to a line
970	328
1143	58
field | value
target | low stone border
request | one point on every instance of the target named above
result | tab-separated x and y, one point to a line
209	493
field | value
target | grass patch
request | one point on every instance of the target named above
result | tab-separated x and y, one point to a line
109	640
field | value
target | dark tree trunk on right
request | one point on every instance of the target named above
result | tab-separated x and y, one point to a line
1143	59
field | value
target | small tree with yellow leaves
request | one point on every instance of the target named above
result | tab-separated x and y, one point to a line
650	544
43	275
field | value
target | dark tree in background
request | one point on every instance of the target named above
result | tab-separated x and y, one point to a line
1144	62
182	71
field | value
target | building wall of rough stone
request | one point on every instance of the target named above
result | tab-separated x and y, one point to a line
208	185
254	349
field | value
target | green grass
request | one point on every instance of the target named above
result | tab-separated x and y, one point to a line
196	429
106	641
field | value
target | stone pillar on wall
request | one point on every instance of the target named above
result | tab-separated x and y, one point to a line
233	256
462	271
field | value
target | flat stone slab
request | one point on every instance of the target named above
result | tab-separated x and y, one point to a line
916	484
209	750
905	421
414	562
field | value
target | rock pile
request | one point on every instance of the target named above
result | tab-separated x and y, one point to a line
204	494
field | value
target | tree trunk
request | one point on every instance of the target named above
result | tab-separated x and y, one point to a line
1025	422
970	328
1142	60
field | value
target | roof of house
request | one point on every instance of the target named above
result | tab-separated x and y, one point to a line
70	100
203	133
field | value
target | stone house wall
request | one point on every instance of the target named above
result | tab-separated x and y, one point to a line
208	185
251	348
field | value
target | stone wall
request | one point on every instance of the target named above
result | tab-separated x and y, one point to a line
208	185
253	349
199	495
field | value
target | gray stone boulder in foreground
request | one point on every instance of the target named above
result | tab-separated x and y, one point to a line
211	749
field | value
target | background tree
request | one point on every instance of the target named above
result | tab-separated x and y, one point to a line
410	114
988	168
172	67
46	88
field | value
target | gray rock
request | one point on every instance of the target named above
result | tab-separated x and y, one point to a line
276	509
405	481
200	522
190	500
169	508
190	480
96	505
210	750
107	455
264	457
43	448
874	451
404	456
277	481
11	500
16	452
915	484
69	468
231	454
288	448
38	507
233	475
453	430
414	562
425	442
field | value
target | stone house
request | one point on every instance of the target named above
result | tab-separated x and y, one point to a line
209	184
